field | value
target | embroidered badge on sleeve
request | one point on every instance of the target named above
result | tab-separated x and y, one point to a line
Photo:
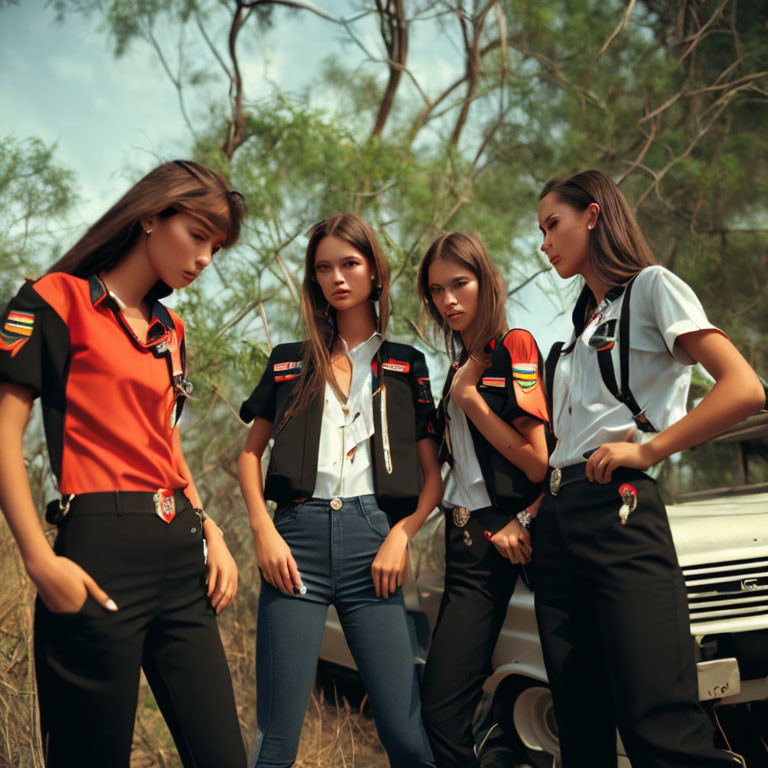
425	392
526	375
398	366
287	371
16	330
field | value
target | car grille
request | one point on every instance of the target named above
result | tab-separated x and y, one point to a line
730	590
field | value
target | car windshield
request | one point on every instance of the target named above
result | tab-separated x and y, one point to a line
735	462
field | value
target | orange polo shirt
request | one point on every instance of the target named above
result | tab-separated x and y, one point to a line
108	398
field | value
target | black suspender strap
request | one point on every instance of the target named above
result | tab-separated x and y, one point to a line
549	377
624	394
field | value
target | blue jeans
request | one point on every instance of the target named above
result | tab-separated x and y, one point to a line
334	551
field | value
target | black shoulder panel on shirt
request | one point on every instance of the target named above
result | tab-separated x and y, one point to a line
289	352
160	311
41	362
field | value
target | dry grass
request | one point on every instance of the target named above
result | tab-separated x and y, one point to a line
333	736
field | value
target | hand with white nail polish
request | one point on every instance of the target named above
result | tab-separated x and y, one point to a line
64	586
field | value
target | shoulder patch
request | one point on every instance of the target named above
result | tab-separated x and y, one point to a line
526	375
285	371
398	366
16	330
493	381
424	390
19	323
287	366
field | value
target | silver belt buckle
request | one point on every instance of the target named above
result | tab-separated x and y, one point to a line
336	503
460	516
554	480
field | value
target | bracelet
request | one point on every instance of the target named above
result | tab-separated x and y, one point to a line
524	518
203	515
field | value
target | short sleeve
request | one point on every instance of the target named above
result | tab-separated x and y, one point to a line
676	309
423	402
262	401
22	339
524	378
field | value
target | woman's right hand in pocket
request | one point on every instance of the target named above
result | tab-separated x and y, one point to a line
64	586
276	561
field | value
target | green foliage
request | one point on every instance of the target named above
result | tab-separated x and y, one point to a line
36	194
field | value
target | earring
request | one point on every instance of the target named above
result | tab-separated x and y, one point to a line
148	232
589	226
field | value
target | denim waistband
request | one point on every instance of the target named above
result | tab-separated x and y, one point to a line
366	501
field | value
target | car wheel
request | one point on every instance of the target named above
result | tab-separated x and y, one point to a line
524	734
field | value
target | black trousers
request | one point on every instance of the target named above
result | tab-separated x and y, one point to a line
478	585
613	617
88	662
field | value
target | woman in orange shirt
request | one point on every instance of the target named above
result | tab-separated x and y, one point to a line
124	587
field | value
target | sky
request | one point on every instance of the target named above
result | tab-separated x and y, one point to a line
111	118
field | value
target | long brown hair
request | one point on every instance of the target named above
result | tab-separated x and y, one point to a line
319	317
617	248
470	252
174	187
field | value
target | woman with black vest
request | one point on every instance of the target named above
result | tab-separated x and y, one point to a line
610	598
353	470
493	418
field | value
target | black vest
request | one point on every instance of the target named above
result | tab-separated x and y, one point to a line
508	487
410	416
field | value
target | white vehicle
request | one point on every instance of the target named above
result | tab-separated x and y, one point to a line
721	538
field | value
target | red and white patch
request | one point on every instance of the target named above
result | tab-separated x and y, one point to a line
287	377
398	366
493	381
286	366
165	504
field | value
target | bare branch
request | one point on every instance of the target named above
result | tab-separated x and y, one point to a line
297	5
528	280
210	44
176	80
700	33
263	314
607	43
394	31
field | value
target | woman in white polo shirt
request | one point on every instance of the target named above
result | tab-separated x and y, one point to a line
610	597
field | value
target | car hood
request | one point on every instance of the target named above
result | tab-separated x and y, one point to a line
720	529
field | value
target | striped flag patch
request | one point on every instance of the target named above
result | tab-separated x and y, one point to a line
287	376
493	381
525	374
286	366
19	323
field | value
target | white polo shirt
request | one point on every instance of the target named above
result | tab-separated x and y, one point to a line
344	462
585	414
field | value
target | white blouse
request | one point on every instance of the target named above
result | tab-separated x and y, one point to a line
465	486
344	462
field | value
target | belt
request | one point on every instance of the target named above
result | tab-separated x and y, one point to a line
557	477
487	519
163	502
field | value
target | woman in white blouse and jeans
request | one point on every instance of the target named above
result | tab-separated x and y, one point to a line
610	598
353	470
